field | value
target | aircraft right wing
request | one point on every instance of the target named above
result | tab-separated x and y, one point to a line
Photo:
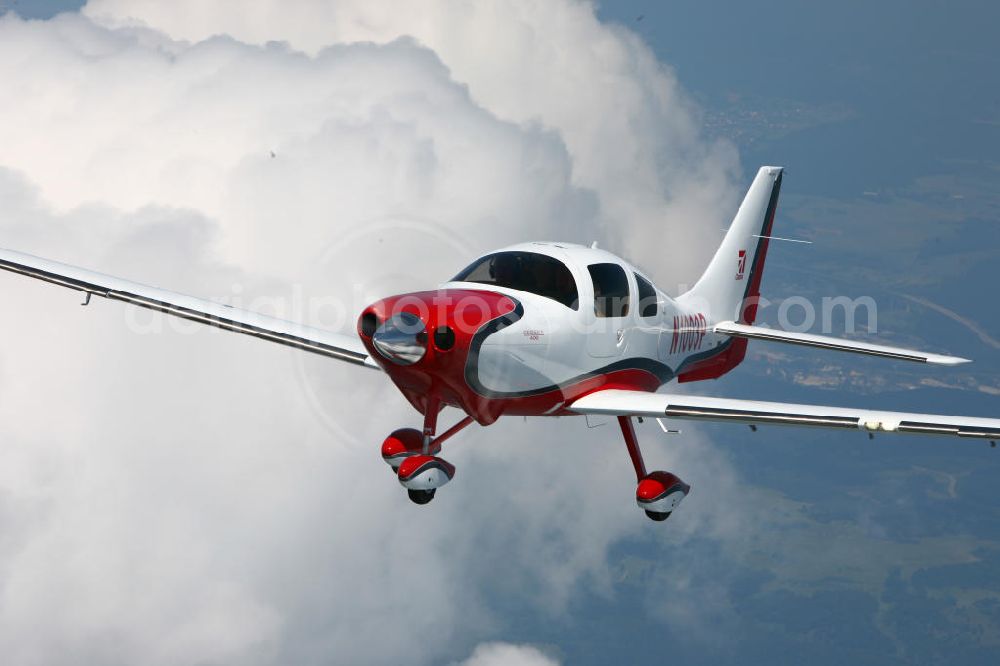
326	343
617	402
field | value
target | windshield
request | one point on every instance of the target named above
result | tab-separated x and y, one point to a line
525	271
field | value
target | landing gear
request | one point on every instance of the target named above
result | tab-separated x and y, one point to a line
420	496
425	473
404	443
660	493
413	456
657	493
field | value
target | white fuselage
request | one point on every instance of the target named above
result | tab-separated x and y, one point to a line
553	345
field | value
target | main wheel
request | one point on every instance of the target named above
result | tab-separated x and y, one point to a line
420	496
659	493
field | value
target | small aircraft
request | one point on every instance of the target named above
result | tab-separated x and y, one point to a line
557	329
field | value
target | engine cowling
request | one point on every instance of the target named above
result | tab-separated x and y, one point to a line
660	493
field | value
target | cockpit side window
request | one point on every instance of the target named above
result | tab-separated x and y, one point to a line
525	271
647	297
610	290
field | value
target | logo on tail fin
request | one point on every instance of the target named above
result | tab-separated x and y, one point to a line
741	266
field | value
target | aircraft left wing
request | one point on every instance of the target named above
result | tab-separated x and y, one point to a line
291	334
619	402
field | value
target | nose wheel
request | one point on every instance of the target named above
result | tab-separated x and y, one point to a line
421	496
423	475
413	456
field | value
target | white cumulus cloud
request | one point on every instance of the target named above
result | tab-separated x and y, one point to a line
632	133
206	498
505	654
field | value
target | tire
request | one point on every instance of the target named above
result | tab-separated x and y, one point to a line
420	496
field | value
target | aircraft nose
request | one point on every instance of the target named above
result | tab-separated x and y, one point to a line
401	339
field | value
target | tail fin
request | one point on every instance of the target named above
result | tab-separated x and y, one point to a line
729	288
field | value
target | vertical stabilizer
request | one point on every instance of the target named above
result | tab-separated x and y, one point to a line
729	288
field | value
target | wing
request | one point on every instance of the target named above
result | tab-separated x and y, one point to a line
659	405
735	330
325	343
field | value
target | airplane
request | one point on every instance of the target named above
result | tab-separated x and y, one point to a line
558	329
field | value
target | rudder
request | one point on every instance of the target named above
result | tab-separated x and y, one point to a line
730	287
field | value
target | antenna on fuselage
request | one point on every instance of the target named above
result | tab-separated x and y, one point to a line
593	246
779	238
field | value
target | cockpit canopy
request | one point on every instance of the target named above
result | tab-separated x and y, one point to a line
525	271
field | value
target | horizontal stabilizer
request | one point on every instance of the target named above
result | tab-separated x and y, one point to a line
735	330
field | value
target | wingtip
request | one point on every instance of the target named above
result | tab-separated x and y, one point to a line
938	359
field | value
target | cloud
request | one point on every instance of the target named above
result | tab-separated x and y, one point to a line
633	135
189	498
505	654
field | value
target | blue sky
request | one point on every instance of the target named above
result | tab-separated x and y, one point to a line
913	77
887	119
